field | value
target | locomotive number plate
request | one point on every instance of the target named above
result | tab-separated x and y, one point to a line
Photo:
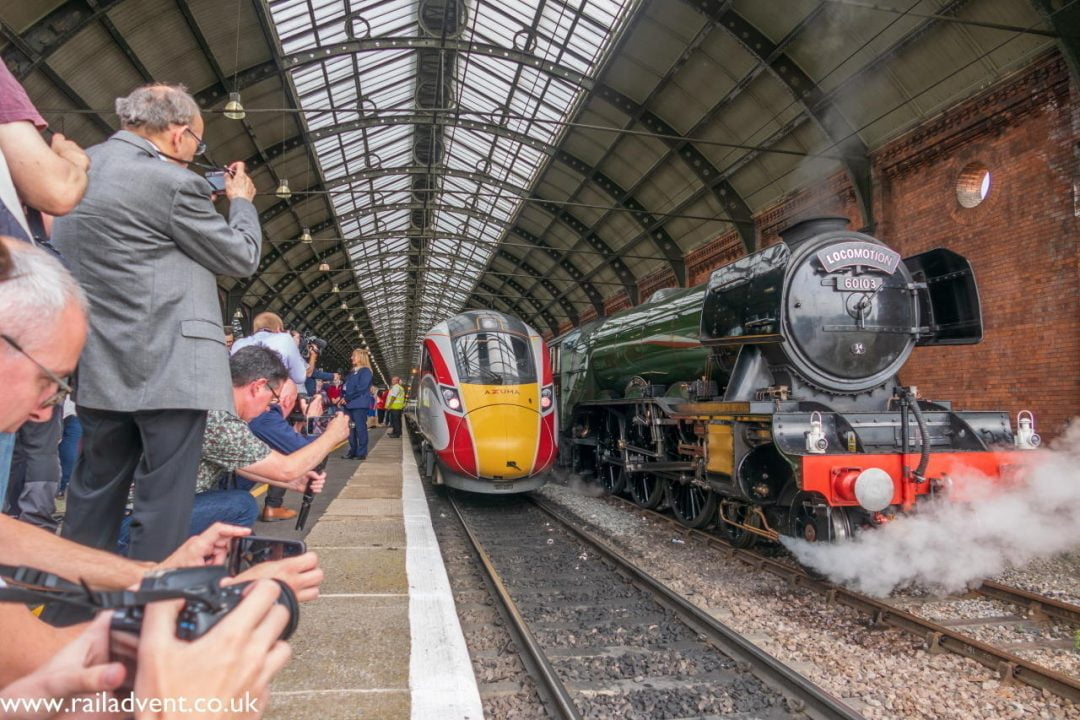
861	283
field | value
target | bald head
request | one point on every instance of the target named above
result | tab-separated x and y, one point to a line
268	321
288	394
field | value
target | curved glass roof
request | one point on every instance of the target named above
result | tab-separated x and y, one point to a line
468	101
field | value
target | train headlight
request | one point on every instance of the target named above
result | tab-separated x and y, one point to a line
874	489
547	397
451	398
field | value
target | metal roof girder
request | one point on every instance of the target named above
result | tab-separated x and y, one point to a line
350	47
625	275
707	173
663	242
806	92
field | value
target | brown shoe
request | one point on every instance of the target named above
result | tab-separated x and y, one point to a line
274	514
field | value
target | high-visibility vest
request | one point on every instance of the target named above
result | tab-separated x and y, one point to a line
395	400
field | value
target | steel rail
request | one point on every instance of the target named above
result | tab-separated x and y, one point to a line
937	637
555	692
811	699
1036	604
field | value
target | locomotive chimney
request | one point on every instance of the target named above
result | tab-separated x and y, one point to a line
811	226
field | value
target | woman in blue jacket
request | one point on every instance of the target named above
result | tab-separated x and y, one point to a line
357	394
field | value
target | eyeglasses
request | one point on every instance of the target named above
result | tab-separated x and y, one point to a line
201	147
62	384
274	392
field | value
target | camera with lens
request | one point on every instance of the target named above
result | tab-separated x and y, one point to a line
307	341
207	602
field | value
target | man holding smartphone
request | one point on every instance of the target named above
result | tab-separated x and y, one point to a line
146	243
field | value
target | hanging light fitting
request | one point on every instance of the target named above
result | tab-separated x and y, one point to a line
234	109
283	192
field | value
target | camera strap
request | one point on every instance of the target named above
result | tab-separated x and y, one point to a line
30	585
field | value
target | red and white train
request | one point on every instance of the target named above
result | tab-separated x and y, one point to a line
483	405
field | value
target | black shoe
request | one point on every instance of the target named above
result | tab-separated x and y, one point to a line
348	456
361	457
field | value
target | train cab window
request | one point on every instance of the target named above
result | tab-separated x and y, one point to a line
426	366
494	358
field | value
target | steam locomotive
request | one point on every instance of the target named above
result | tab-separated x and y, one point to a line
483	406
767	400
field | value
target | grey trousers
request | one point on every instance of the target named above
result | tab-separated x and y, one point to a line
35	471
156	450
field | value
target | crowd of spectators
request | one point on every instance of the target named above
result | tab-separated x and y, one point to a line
108	265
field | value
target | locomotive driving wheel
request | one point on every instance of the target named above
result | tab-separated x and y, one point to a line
733	522
693	506
646	489
814	521
612	478
610	469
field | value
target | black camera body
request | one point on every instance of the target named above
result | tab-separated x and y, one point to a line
307	340
206	602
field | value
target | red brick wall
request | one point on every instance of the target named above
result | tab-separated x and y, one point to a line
834	196
662	278
1021	240
615	303
717	252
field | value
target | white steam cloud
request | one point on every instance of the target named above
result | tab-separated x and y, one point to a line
950	545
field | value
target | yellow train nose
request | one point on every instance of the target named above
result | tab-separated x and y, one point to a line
505	437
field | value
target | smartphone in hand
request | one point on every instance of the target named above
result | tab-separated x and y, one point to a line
252	550
216	178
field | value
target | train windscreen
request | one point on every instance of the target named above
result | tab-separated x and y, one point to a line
494	358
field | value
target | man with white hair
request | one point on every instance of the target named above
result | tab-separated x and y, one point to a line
42	330
146	243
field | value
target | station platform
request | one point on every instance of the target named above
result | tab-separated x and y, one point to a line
383	639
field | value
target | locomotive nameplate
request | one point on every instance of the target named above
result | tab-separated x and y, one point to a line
863	254
859	283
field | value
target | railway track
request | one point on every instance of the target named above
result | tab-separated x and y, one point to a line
975	638
604	639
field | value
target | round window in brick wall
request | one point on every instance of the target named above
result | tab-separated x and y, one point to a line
973	185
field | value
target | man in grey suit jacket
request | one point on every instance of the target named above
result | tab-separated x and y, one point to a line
146	243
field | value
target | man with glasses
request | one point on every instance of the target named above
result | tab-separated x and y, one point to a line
146	243
233	458
35	464
42	330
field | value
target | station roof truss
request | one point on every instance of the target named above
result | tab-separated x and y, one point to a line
538	157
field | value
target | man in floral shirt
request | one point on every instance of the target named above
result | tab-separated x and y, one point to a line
230	449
